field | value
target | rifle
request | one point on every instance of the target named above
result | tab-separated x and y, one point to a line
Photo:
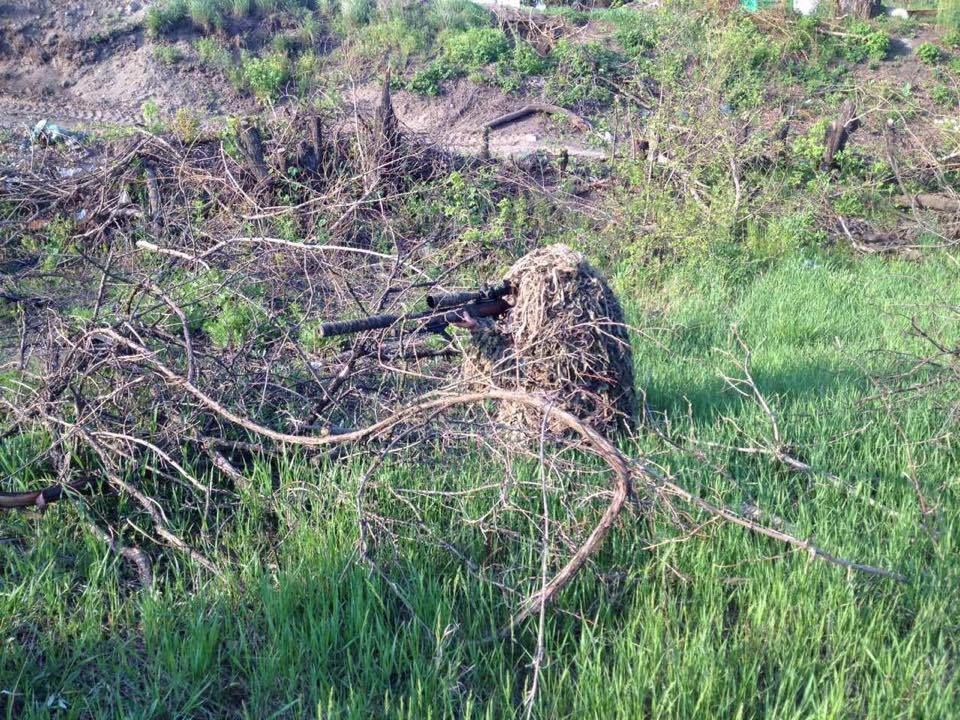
445	308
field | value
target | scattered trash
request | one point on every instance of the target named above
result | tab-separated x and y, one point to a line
46	133
806	7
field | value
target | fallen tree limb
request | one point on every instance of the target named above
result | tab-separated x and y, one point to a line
527	110
941	202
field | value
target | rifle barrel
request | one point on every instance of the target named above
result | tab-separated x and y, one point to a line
479	303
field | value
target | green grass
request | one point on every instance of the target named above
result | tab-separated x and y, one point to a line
720	625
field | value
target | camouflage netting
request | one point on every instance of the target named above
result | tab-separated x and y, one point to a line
564	338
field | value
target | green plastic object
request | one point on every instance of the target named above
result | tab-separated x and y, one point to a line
754	5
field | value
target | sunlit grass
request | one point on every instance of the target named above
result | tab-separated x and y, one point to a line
720	625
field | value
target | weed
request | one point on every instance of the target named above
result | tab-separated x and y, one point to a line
429	80
943	95
213	53
164	16
241	8
206	14
266	76
150	111
357	13
457	15
928	53
474	48
583	73
167	54
186	125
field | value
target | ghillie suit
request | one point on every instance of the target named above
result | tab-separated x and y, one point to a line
564	338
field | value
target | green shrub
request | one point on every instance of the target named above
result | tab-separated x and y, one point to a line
266	76
929	53
866	43
521	63
167	54
306	71
636	33
474	48
186	125
206	14
164	16
943	95
457	15
151	115
462	52
429	80
357	13
583	73
213	53
311	29
241	8
238	319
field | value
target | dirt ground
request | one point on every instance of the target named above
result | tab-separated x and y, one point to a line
82	62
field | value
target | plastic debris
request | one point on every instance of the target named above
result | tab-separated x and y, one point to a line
46	133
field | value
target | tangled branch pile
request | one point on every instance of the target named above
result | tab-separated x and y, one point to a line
164	347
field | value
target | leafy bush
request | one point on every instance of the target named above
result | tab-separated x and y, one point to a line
952	39
521	63
266	76
428	81
583	73
457	15
744	58
474	48
943	95
929	53
164	16
462	52
206	14
868	43
151	115
241	8
167	54
358	13
213	53
186	125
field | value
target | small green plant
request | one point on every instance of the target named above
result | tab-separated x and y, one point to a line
457	15
474	48
929	53
167	54
213	54
943	95
952	39
583	73
186	125
311	29
164	16
266	76
357	13
429	80
866	43
151	116
241	8
206	14
807	152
